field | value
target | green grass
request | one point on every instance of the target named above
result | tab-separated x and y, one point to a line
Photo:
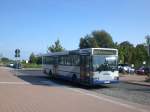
31	65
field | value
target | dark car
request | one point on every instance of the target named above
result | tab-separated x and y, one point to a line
143	70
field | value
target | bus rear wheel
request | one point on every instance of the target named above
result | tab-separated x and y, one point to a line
74	79
50	74
44	71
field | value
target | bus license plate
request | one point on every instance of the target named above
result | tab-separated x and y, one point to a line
107	82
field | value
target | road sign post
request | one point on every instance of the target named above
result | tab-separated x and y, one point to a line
17	53
17	56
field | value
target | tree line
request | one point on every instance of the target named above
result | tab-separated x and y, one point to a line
128	53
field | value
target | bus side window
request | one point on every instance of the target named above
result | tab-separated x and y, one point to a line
87	61
65	60
68	60
59	60
75	60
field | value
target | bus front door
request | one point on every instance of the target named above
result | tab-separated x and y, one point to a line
84	68
55	67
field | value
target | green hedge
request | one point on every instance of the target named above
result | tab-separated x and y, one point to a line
30	65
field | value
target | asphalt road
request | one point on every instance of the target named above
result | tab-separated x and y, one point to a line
130	92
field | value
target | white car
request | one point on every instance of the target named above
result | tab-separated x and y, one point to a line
11	64
125	68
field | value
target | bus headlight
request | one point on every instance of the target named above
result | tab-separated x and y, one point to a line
96	78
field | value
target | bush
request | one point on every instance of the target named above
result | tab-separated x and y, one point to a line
30	65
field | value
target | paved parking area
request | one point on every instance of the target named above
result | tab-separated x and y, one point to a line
133	77
20	94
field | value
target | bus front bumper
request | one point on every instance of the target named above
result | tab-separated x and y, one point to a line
98	82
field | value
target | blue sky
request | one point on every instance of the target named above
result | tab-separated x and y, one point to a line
33	25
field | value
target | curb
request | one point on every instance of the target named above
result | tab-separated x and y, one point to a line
29	69
137	83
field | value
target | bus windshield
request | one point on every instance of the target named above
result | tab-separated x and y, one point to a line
104	63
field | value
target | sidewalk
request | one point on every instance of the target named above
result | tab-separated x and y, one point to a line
31	69
135	79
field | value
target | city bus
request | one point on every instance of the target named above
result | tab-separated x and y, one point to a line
90	66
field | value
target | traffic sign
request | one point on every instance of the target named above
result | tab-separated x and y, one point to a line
17	53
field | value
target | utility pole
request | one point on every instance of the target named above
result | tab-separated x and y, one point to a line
148	48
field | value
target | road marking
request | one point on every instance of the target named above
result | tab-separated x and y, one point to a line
108	100
48	82
18	83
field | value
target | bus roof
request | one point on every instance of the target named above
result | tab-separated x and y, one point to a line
78	51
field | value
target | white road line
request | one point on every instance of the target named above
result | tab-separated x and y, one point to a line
108	100
18	83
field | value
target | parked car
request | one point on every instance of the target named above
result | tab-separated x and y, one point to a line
11	64
125	68
17	66
143	70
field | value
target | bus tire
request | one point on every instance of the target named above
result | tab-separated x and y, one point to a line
74	79
50	74
44	71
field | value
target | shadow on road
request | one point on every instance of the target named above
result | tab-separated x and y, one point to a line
38	78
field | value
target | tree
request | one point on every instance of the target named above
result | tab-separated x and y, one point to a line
141	54
39	60
88	42
116	45
83	43
5	60
103	39
56	47
96	39
32	58
126	51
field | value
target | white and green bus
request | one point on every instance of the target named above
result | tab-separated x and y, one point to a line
91	66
